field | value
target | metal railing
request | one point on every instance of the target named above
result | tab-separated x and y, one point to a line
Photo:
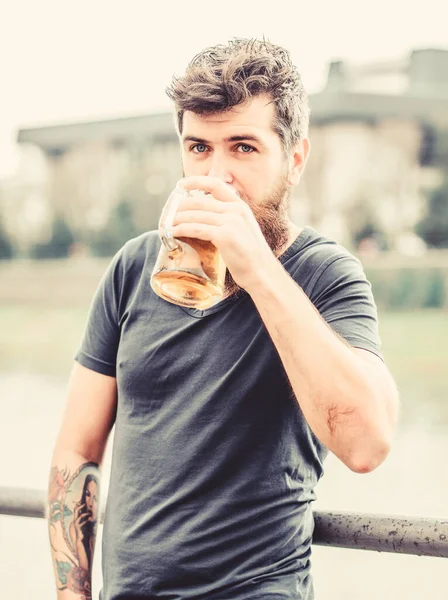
361	531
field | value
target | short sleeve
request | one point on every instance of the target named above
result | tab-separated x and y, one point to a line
343	296
99	345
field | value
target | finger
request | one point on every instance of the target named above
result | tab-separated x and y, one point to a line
79	508
202	202
198	216
83	520
195	230
80	515
218	188
86	517
79	518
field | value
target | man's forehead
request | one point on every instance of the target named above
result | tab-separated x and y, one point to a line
257	114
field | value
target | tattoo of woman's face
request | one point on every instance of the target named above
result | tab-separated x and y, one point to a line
73	500
80	507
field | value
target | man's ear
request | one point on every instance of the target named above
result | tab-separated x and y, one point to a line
298	160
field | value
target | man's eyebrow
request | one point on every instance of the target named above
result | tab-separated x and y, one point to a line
244	138
234	138
191	138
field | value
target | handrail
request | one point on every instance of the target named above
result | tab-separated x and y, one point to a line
420	536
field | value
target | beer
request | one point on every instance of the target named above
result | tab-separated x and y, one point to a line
190	275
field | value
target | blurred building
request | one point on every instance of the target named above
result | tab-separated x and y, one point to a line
379	135
380	144
91	167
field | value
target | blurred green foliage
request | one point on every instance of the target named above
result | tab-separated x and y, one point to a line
6	249
433	228
408	287
120	228
59	244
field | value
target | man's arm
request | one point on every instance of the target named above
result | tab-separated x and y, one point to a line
348	398
73	494
347	395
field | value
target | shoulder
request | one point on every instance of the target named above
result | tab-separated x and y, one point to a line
132	262
320	261
139	250
134	257
337	286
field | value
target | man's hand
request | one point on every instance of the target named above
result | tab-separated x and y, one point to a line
224	219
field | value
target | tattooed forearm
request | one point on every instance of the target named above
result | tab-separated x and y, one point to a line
73	497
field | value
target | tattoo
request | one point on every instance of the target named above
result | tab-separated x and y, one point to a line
73	510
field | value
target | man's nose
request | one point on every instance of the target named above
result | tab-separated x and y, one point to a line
220	169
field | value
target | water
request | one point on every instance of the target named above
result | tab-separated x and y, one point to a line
413	481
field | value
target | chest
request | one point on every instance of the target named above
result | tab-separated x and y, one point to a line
165	351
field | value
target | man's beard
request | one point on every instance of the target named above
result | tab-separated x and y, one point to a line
272	217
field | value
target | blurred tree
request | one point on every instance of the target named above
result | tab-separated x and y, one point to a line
363	224
366	230
59	244
120	228
6	249
433	228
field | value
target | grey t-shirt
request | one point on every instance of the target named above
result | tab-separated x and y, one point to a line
214	466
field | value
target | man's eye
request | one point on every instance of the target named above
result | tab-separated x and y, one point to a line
199	148
245	148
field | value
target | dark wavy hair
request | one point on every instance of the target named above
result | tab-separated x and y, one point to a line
224	76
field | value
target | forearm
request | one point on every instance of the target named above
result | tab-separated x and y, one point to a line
336	390
72	526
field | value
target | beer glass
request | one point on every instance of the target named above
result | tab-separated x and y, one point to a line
188	272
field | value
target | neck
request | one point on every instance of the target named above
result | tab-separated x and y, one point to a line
293	232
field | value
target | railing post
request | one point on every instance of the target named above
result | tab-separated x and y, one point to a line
383	533
22	502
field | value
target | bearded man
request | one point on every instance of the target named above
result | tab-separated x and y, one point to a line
223	416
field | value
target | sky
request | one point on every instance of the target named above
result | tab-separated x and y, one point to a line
66	61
